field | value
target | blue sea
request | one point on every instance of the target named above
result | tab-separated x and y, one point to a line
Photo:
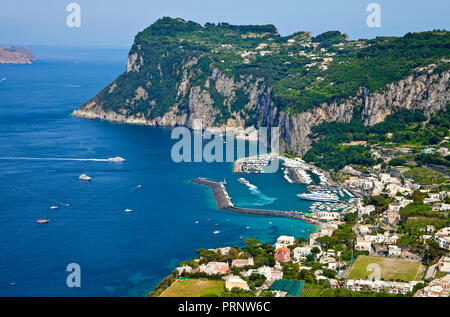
119	253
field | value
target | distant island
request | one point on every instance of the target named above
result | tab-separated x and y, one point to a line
15	55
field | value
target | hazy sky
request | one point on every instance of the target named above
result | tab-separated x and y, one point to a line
114	22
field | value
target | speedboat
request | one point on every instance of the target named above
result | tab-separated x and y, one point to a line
243	181
42	221
116	159
128	210
84	177
54	207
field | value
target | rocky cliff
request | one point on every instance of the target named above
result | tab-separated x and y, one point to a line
429	93
175	75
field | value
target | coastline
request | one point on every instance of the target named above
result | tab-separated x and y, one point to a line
224	202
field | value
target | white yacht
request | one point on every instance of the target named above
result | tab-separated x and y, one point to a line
84	177
319	197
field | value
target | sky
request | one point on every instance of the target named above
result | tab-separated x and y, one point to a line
114	23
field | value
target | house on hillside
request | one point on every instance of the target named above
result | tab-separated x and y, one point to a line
213	268
284	241
282	255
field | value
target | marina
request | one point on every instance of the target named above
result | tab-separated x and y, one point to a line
224	202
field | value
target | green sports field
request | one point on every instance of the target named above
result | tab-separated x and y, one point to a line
390	268
194	288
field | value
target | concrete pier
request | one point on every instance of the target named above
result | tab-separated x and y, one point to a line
224	202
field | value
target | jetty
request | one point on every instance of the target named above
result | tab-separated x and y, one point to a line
224	202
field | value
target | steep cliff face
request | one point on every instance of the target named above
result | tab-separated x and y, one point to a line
217	99
241	76
429	93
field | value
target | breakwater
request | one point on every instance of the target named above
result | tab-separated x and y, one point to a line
224	202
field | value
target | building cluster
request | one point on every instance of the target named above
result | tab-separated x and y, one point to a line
442	237
380	286
439	287
377	183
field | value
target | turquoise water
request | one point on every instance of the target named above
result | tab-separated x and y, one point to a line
120	254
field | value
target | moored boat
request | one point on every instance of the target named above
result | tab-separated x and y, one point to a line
319	197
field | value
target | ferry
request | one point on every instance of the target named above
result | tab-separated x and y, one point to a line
84	177
116	159
319	197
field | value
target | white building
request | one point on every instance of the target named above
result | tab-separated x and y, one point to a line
362	245
444	264
270	273
284	241
233	281
378	286
394	250
184	268
328	215
442	237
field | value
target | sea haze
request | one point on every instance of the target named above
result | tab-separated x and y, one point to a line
120	254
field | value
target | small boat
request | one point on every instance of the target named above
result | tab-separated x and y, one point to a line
216	224
216	232
247	227
270	222
241	237
84	177
116	159
12	284
42	221
53	207
243	181
128	210
197	221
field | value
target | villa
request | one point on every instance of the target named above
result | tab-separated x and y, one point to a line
232	281
284	241
242	262
282	255
213	268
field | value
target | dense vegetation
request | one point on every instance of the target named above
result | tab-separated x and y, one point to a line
404	127
303	71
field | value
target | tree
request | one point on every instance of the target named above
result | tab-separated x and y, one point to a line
417	196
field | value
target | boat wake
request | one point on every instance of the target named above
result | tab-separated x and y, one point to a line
263	199
134	188
66	85
18	158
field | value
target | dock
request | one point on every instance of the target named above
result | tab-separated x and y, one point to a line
224	202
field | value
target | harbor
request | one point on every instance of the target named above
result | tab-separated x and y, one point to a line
224	202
